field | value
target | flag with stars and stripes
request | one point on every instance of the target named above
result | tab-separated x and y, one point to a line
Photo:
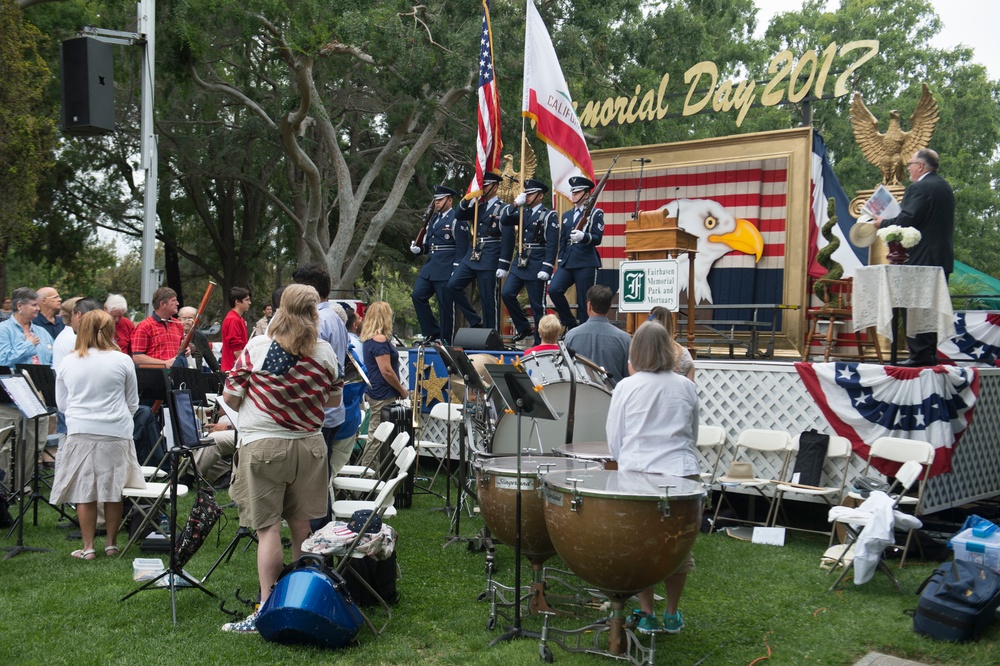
488	143
864	401
976	341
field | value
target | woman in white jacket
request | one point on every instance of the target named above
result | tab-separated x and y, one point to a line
96	389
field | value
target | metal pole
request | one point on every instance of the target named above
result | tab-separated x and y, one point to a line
147	148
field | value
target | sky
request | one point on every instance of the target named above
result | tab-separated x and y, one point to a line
969	22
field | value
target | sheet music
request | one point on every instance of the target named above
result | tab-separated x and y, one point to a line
25	399
234	416
883	203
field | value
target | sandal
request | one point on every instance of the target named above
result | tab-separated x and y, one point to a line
111	551
81	554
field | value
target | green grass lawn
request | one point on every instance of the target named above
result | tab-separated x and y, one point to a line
742	601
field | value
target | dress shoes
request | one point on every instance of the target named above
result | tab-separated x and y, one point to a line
521	335
916	363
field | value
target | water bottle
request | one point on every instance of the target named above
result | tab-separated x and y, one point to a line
164	524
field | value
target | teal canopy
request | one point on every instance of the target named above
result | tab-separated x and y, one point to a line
975	282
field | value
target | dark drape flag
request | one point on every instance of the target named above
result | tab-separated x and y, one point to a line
488	143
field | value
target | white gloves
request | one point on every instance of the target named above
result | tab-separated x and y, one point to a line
520	199
415	249
501	273
576	236
542	275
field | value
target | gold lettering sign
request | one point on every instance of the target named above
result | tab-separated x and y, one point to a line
791	80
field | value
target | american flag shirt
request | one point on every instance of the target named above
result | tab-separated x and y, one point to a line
282	395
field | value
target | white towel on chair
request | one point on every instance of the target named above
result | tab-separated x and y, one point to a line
876	535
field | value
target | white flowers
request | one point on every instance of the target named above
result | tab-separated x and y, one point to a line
905	236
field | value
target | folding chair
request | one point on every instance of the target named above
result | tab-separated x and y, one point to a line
445	413
751	443
838	454
158	495
380	509
367	486
346	508
381	434
898	449
711	439
855	521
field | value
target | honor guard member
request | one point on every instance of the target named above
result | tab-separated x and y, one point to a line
478	253
536	255
578	258
439	246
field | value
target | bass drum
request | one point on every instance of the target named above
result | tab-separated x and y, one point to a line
592	404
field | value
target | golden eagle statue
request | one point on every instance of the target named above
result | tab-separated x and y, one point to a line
890	151
510	186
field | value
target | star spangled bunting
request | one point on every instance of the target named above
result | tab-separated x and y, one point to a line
488	143
864	401
977	340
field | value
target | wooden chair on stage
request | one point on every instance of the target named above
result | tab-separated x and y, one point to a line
835	312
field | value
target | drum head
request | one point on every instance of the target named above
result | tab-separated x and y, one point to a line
617	484
533	465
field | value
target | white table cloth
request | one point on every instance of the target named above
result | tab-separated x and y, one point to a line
921	290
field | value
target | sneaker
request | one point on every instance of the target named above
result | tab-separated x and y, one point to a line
649	624
247	626
672	623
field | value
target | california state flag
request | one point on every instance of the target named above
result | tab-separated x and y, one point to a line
546	100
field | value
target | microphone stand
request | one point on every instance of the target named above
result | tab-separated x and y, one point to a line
638	190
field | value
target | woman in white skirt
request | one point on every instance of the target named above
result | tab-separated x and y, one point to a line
97	391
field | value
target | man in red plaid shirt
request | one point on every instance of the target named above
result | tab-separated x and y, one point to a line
157	338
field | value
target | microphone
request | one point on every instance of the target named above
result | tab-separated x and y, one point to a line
642	160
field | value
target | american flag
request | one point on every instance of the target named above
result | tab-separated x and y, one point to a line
488	143
292	390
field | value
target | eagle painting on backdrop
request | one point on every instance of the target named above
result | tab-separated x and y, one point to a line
737	210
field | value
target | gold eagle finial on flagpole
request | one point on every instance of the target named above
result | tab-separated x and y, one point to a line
511	186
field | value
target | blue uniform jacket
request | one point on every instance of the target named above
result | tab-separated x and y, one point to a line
582	254
488	234
541	235
439	246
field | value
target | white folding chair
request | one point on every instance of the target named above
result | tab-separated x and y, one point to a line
444	412
901	450
346	508
710	441
838	454
750	444
158	495
381	434
855	521
403	458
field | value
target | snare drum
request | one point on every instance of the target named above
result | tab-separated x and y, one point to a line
549	370
622	531
496	482
595	451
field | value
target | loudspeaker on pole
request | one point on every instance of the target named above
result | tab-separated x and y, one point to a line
86	68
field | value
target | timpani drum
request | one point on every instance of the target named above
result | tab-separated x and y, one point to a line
595	451
496	482
621	531
549	370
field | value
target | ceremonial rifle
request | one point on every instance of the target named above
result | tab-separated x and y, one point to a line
428	215
588	208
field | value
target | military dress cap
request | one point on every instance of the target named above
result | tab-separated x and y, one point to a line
440	192
531	186
580	183
490	177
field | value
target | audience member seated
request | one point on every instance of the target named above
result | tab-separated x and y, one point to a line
549	330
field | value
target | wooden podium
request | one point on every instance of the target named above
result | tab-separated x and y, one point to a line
656	236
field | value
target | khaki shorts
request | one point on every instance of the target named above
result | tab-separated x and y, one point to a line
277	478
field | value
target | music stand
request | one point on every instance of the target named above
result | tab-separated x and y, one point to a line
525	399
28	403
187	436
458	363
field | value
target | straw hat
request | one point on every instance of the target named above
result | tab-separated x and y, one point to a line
862	234
738	472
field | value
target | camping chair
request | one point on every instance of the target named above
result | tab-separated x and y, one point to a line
381	435
753	443
380	507
368	487
898	449
711	439
838	459
836	311
854	523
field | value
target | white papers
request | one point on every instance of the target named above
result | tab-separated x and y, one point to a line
25	399
882	203
769	536
233	415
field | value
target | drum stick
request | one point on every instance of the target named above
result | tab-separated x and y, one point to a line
798	485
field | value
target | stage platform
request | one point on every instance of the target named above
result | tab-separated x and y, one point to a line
738	395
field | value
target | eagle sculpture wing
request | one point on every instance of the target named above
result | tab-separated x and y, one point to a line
922	122
866	134
510	186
